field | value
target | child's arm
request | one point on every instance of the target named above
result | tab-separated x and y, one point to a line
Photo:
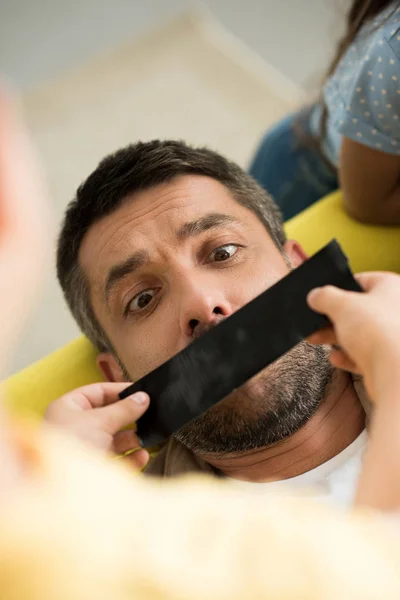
370	180
379	484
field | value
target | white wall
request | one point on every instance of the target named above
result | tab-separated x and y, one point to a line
40	38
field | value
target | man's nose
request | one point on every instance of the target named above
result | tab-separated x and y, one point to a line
202	309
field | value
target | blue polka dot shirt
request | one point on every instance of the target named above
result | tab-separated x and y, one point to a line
363	94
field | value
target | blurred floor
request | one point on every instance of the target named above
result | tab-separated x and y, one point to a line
214	91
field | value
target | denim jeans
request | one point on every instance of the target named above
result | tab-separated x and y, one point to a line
294	174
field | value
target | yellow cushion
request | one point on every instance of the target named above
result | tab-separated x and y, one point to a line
368	247
72	366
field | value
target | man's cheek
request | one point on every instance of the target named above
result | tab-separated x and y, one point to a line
258	284
144	359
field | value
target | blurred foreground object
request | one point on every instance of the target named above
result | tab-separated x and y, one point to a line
80	527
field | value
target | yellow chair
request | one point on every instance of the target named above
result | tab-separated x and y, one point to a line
368	247
32	389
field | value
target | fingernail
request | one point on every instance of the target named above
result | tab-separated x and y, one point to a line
140	398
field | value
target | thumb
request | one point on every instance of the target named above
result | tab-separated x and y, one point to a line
125	412
327	300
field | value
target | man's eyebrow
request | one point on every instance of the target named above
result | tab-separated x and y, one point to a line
210	221
139	258
122	270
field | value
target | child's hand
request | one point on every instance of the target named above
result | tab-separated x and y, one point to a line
366	327
95	414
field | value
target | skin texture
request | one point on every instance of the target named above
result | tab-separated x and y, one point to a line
367	329
187	278
189	286
93	414
370	181
24	221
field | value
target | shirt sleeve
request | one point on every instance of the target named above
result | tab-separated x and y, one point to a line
371	113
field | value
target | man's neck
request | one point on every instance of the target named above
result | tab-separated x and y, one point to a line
336	424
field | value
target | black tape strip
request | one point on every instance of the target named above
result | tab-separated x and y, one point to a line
248	341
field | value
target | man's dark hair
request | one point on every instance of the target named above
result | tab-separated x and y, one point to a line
138	167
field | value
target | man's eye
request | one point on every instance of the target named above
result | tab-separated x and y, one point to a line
140	301
223	252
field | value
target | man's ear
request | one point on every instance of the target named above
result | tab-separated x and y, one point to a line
295	253
110	368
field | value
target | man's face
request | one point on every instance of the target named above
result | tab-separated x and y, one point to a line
170	263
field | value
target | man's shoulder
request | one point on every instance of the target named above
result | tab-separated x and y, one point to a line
157	463
173	459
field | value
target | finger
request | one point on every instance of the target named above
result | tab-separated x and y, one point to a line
97	395
327	300
25	229
124	441
116	416
341	360
326	335
23	198
137	460
369	280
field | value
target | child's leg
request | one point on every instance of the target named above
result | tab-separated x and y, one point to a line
294	174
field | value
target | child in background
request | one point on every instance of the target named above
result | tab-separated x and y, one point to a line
351	137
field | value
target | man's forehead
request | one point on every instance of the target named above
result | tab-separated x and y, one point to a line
156	211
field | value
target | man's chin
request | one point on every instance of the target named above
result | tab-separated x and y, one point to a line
245	402
267	409
238	412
